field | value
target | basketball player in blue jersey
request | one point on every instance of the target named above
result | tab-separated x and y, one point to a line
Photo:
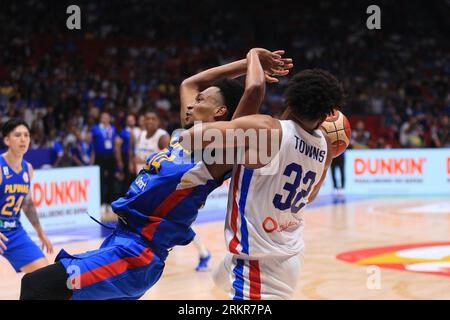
160	206
15	194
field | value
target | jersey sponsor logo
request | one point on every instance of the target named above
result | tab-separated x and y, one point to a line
448	165
270	225
7	177
8	224
25	177
308	150
141	183
397	166
6	171
287	225
429	258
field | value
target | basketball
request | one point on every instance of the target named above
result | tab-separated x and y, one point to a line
337	128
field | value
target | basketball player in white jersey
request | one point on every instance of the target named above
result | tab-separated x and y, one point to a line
193	101
265	216
152	139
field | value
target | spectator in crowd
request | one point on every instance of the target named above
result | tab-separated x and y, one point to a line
66	159
411	134
360	136
123	151
50	120
381	144
151	140
103	137
441	133
141	126
55	144
82	150
57	82
37	136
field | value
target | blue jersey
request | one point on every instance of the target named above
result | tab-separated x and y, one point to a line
163	201
103	139
83	151
57	150
13	190
125	135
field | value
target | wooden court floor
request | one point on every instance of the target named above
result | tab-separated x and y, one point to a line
329	231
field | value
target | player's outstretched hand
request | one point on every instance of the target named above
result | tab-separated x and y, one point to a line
46	244
274	64
3	239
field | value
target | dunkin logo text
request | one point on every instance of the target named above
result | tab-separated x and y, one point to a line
60	192
448	165
397	166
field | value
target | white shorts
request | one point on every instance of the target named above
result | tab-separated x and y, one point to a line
271	278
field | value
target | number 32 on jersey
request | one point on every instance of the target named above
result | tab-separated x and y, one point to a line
295	200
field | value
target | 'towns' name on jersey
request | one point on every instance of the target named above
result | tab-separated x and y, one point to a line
308	150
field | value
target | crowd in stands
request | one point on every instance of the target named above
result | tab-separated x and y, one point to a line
132	55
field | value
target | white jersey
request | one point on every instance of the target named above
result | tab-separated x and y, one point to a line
264	216
136	133
145	147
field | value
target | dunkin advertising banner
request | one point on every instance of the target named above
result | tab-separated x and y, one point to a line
398	172
63	196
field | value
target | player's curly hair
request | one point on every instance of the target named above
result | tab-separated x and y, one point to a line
312	94
231	91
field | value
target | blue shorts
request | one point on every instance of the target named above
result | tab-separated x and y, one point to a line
21	250
123	268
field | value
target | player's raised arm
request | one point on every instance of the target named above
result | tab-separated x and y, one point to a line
255	85
191	86
272	62
253	96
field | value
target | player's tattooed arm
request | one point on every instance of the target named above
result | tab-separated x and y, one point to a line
28	205
30	211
